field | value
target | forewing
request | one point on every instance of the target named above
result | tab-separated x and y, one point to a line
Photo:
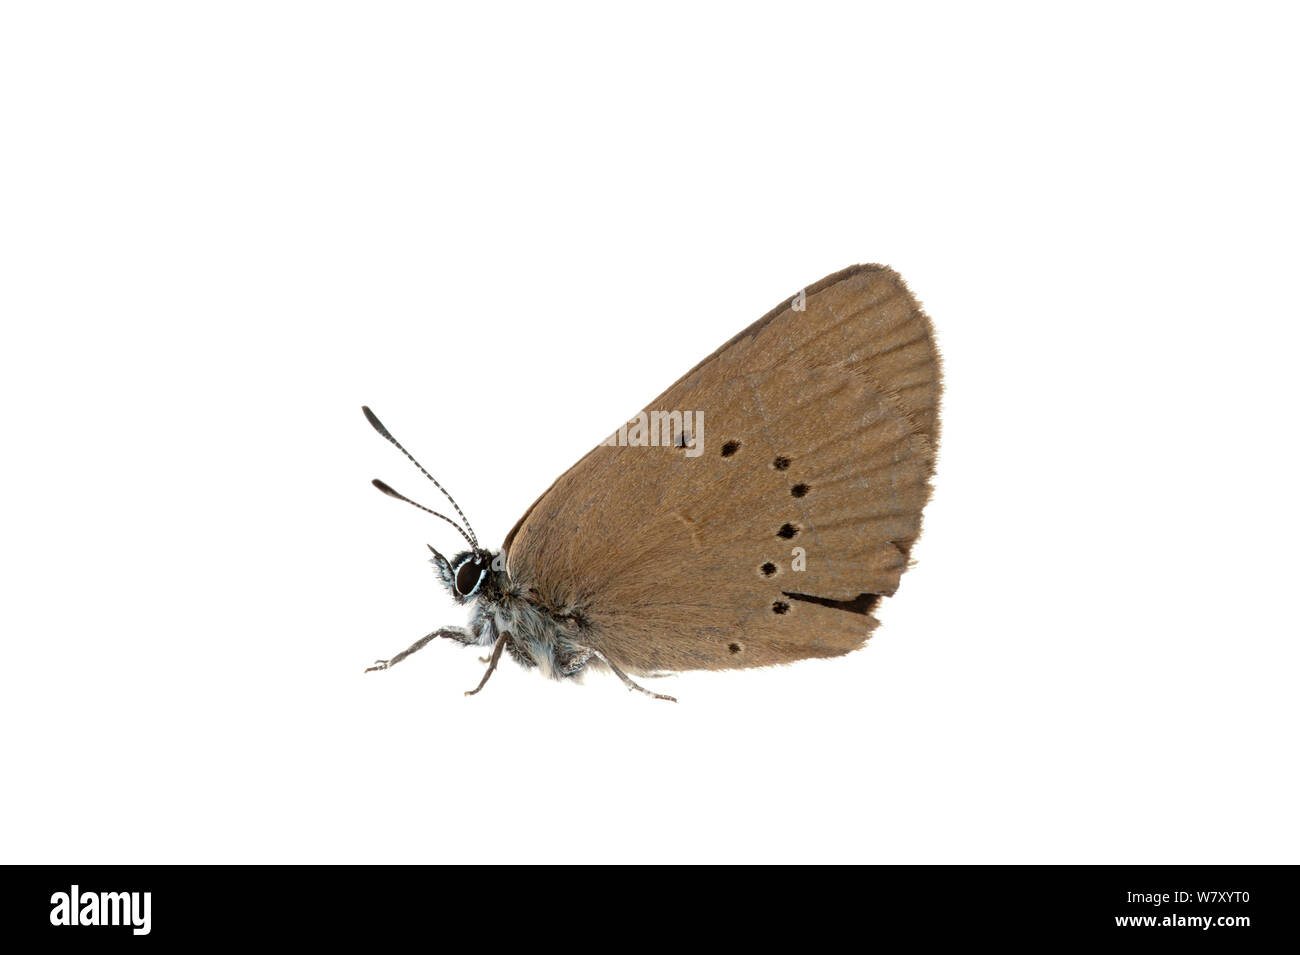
777	541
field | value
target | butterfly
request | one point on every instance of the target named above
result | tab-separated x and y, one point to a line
755	513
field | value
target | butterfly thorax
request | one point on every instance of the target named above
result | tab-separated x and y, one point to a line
539	635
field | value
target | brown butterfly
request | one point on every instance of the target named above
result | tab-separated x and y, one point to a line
755	513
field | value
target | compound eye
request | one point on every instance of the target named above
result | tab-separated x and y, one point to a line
469	576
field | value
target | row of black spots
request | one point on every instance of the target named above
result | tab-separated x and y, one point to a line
786	531
780	463
769	569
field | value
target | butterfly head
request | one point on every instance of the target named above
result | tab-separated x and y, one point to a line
471	574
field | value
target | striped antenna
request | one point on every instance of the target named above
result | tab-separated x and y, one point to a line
379	426
402	497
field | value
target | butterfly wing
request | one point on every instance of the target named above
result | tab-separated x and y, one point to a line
778	540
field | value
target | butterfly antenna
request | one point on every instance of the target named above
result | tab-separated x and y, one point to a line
379	426
402	497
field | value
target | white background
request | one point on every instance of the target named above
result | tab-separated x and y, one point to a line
227	226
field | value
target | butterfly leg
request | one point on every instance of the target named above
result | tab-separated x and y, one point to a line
496	658
460	634
569	661
634	686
